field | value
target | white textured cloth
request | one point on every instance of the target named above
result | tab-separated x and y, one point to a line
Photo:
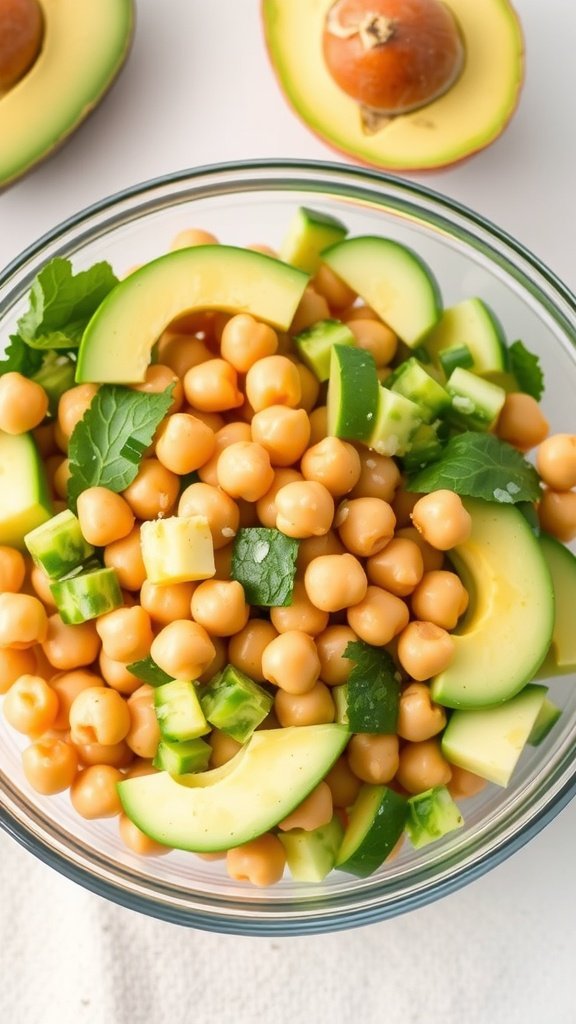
500	951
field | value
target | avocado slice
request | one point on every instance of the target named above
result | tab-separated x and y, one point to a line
561	657
507	629
118	340
25	500
470	115
83	48
216	810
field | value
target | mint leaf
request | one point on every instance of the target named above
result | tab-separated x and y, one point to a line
149	672
480	466
18	358
373	689
116	416
526	368
61	303
264	562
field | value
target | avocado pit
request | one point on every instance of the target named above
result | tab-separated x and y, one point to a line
21	34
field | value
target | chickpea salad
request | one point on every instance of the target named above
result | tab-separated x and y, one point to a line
268	547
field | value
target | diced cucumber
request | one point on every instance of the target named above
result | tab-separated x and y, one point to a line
376	822
235	704
432	815
25	501
149	672
561	657
489	742
352	393
178	711
309	233
315	345
547	717
414	382
471	323
454	356
395	424
178	549
426	446
311	856
393	280
182	758
57	546
87	595
475	403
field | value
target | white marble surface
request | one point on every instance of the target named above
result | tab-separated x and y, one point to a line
198	89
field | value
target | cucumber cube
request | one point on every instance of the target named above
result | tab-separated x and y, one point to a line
181	758
315	345
352	393
178	711
397	420
235	704
177	549
310	856
476	403
87	595
414	382
431	815
57	546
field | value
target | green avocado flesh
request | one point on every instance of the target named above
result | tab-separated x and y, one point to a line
25	502
118	341
507	629
247	796
84	47
471	114
561	657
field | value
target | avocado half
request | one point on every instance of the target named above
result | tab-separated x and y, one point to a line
466	118
84	47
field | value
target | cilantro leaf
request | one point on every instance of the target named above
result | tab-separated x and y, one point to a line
264	562
19	358
61	303
526	368
373	689
116	416
149	672
480	466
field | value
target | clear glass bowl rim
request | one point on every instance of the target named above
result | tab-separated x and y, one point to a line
253	917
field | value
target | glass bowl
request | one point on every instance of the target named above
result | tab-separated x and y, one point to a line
243	204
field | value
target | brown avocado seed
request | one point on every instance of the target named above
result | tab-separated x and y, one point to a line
392	56
21	32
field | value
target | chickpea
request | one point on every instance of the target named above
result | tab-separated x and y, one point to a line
442	519
167	601
314	547
331	644
12	570
45	440
557	514
379	617
418	717
50	765
373	757
126	633
104	516
441	598
23	403
266	505
338	295
154	490
229	433
125	556
464	783
403	505
184	443
71	407
334	582
67	647
343	784
273	380
41	583
309	388
182	351
244	470
283	432
67	686
521	421
222	565
315	707
219	509
333	463
98	715
140	766
424	649
291	662
300	614
432	558
183	649
213	386
316	810
60	478
224	748
422	766
157	379
556	461
220	606
376	338
219	661
23	621
14	664
318	424
261	861
245	340
117	675
190	237
118	755
311	308
365	525
93	792
143	736
304	509
398	568
137	841
247	647
214	420
31	705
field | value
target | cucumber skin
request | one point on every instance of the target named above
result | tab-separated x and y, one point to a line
76	603
381	835
353	375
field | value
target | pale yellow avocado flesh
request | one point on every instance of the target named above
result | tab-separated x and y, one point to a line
26	501
216	810
467	117
85	43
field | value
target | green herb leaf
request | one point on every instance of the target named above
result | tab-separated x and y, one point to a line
19	358
61	304
480	466
526	368
373	689
264	562
116	415
149	672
